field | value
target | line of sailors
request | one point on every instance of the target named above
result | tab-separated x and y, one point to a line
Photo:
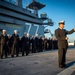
14	45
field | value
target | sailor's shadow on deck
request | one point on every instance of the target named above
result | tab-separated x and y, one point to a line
70	64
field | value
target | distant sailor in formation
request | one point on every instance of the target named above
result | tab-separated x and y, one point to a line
3	44
61	35
14	45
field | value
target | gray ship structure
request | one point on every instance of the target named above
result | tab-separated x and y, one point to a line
14	17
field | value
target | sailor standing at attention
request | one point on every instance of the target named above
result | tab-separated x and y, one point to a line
3	44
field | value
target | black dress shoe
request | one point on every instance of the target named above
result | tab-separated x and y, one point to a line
61	66
64	65
5	56
22	55
1	57
12	55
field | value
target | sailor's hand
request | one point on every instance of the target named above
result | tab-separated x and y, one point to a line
74	29
66	38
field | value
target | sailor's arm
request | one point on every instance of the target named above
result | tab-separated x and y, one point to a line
71	31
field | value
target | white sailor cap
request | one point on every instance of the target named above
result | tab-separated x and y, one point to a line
25	33
4	30
15	31
36	35
62	22
28	34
